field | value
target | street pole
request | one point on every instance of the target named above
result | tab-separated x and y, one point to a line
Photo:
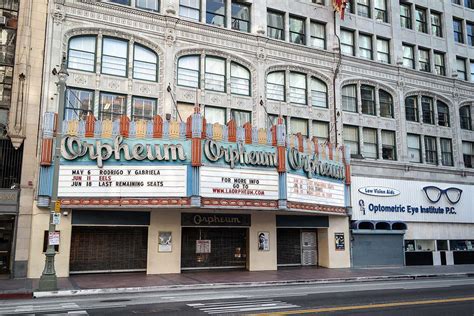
48	280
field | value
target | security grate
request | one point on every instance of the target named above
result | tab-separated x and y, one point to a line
288	246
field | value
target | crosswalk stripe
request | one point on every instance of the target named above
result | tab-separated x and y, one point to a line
212	308
235	303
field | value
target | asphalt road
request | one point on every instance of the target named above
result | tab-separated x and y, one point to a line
413	297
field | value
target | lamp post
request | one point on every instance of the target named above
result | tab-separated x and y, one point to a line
48	280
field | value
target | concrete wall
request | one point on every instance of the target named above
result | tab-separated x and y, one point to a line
439	231
329	257
262	260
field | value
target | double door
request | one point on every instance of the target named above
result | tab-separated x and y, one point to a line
297	247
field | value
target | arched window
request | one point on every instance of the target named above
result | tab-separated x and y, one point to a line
465	117
411	109
239	79
214	74
188	71
297	88
319	93
367	95
349	98
114	56
144	63
443	114
81	53
386	104
276	86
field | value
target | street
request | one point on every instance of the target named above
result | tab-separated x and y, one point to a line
454	296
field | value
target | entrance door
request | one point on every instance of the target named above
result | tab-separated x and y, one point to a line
6	239
309	248
108	249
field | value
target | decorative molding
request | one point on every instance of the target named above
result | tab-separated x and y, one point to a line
124	202
232	203
317	208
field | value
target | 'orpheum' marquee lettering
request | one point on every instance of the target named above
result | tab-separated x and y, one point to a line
73	148
238	155
313	166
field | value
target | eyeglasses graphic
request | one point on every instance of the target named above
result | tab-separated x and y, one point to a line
434	194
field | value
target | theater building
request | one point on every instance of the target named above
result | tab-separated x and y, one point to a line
165	197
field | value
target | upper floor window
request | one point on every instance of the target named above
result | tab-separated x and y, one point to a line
469	4
6	81
297	30
190	9
321	131
114	56
458	33
124	2
351	138
408	56
446	152
239	79
424	59
421	23
276	86
436	28
465	117
370	143
405	16
78	103
319	94
380	8
365	46
81	53
215	73
152	5
112	106
468	154
411	109
215	12
297	88
7	46
349	98
144	63
440	67
386	104
431	152
383	50
414	148
241	117
367	95
427	110
188	71
443	114
470	33
318	35
240	16
275	25
214	114
461	68
389	151
347	42
363	8
143	108
298	125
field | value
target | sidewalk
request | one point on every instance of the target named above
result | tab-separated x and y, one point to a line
140	282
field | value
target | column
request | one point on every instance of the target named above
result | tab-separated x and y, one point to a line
258	259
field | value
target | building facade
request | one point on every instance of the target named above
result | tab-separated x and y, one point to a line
392	81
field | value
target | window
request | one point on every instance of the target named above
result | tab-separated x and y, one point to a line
414	148
436	24
471	65
240	17
420	22
112	106
215	12
347	42
79	103
321	131
383	50
388	145
468	154
440	67
297	88
430	150
443	114
363	8
273	119
370	143
365	46
386	104
446	152
461	68
349	6
319	93
152	5
469	4
470	33
465	117
299	126
411	109
405	16
241	117
351	138
239	79
456	1
349	98
408	57
214	115
214	76
185	110
276	86
7	46
143	108
367	94
82	53
124	2
458	34
190	9
144	63
6	80
114	56
188	71
297	31
318	35
275	25
380	8
424	59
427	110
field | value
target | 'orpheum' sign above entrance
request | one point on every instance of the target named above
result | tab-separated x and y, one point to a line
313	166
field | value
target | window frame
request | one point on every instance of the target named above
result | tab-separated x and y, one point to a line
191	9
468	156
406	18
233	19
356	128
465	119
392	147
383	11
291	100
224	16
314	37
283	85
104	38
345	45
232	116
326	124
458	32
431	153
436	29
215	74
440	69
135	45
413	148
101	112
368	104
152	10
439	106
66	101
470	33
325	92
367	8
132	114
347	98
412	56
446	156
95	53
463	71
282	30
379	52
292	119
249	79
427	113
370	49
215	107
290	32
414	109
424	65
368	144
198	71
421	24
388	105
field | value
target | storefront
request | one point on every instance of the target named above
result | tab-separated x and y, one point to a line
431	222
8	222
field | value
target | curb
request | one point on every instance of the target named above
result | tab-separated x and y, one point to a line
163	288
